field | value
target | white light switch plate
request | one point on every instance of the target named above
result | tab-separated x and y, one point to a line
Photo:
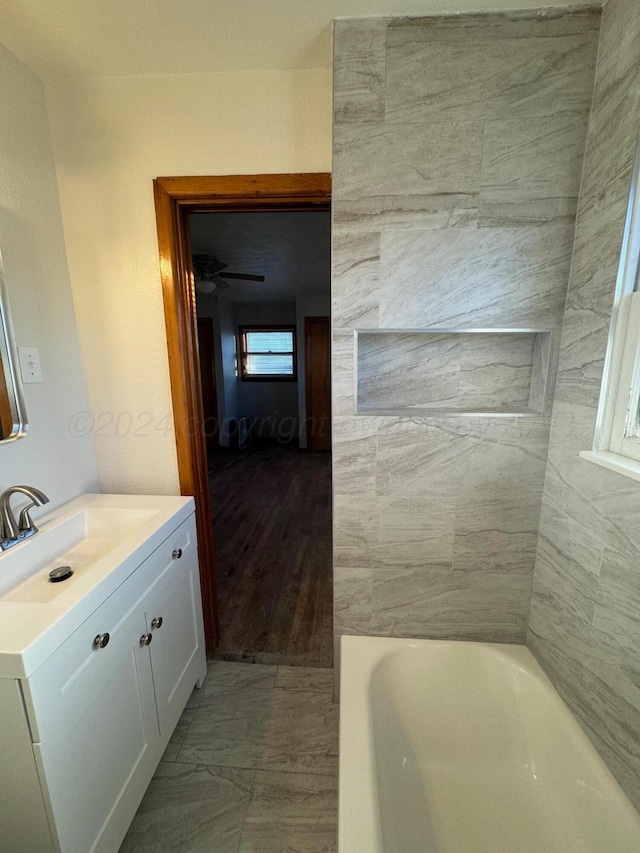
30	364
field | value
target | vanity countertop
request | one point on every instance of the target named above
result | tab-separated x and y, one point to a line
103	538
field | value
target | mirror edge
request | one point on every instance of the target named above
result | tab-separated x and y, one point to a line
12	372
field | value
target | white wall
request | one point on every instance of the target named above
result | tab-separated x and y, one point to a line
53	456
112	136
307	306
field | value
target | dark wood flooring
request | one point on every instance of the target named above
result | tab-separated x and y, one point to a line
272	529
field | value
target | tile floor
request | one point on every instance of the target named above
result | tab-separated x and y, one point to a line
252	767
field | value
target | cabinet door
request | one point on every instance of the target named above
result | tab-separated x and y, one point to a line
174	620
95	716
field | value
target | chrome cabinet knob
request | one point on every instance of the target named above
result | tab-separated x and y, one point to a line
177	554
145	639
101	640
156	622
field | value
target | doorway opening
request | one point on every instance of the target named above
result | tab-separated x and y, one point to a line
255	451
262	286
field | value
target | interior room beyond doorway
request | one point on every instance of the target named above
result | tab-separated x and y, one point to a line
263	310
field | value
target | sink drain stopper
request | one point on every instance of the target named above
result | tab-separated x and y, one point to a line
60	574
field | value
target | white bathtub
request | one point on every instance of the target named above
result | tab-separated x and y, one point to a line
451	747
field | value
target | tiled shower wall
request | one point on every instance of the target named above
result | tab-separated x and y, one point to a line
457	160
585	613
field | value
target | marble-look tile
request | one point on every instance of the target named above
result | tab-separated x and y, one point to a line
337	641
408	212
571	488
255	658
514	23
352	599
354	455
223	676
580	370
487	457
617	606
482	69
562	601
192	808
354	289
495	371
313	679
572	539
228	729
181	729
414	532
615	626
380	160
528	213
529	78
606	167
343	373
531	169
602	211
588	314
497	535
408	370
572	589
431	371
607	170
420	459
437	602
301	733
612	723
543	372
359	69
572	425
599	500
490	277
355	526
601	686
291	812
618	34
172	749
558	661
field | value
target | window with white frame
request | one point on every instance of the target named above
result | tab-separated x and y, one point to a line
617	435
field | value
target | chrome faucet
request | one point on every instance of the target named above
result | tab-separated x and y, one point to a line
12	531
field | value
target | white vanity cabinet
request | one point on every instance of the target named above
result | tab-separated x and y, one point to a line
98	713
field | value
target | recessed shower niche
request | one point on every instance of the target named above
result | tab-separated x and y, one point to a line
453	371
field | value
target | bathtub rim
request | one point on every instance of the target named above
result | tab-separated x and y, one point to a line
358	819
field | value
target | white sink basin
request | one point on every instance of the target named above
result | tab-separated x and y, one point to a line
78	541
103	538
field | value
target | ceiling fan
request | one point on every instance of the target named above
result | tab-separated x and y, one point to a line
209	275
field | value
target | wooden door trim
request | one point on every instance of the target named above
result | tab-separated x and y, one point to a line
175	198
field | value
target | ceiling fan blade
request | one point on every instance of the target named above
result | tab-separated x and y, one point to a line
241	276
209	263
220	283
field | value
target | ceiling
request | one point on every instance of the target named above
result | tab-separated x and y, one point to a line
96	38
292	250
